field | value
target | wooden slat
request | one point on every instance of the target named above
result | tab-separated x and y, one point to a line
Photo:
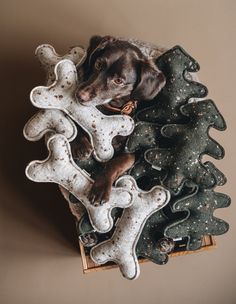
208	242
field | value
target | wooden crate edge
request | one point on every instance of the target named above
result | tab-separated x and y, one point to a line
208	243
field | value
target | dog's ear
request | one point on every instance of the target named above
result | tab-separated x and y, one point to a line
96	45
150	82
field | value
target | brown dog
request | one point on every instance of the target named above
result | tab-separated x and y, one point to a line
116	73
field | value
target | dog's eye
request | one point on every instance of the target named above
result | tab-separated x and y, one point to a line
118	81
98	65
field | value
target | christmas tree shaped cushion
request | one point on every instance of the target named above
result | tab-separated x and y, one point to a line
199	208
182	161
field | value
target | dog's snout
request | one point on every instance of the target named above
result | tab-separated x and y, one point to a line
84	94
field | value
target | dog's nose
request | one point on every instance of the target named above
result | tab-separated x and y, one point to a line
83	95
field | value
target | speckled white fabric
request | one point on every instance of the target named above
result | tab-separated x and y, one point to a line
49	58
61	95
53	121
121	247
49	121
60	168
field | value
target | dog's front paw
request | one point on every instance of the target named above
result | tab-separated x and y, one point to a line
100	191
83	149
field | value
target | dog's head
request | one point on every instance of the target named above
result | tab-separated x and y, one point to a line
117	69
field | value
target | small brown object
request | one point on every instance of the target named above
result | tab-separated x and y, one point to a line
166	245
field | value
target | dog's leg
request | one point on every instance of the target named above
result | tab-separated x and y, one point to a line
101	189
81	147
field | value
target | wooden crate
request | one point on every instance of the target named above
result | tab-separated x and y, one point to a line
89	266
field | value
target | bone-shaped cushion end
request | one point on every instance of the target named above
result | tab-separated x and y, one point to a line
52	168
34	172
48	56
128	264
127	181
53	121
38	99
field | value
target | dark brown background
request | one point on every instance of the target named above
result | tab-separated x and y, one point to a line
40	262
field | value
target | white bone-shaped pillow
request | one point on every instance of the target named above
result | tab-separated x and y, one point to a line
49	121
121	247
60	168
48	57
61	95
53	121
